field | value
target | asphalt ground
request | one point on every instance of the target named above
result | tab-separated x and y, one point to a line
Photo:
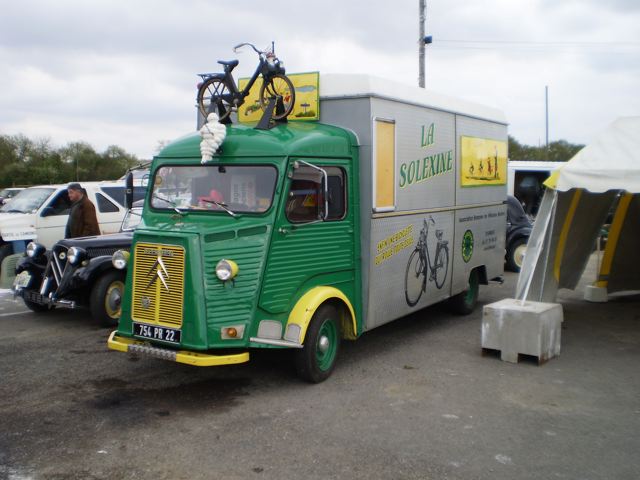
414	399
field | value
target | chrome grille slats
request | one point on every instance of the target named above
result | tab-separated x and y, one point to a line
158	284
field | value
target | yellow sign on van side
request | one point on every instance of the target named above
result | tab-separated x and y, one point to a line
483	162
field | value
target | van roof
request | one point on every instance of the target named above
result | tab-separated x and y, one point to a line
295	138
335	86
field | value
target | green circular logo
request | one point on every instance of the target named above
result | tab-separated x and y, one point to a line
467	246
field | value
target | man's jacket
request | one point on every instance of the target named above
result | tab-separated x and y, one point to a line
82	220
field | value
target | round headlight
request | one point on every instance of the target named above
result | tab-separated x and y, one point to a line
35	250
226	269
119	259
75	255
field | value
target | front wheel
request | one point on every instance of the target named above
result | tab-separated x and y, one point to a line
465	302
317	358
278	86
214	90
106	298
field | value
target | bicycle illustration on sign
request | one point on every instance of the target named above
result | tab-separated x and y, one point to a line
419	267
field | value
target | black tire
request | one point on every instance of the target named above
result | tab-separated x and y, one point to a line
413	284
465	302
5	251
515	254
36	307
316	360
442	266
106	298
214	90
278	86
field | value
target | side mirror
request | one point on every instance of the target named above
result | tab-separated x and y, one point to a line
128	193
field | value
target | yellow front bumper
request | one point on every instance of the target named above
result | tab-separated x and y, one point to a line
123	344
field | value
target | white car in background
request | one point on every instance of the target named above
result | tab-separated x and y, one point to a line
40	213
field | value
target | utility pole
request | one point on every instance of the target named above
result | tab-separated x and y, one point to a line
422	41
546	120
422	13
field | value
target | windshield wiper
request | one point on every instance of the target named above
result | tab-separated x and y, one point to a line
173	205
13	210
223	206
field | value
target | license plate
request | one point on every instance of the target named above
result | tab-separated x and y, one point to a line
22	280
153	332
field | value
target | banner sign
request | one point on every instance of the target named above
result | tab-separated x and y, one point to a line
484	162
306	108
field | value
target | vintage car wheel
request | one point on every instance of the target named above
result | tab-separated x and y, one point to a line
316	360
465	302
36	307
106	298
515	254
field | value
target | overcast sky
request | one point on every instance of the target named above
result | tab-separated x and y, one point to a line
123	72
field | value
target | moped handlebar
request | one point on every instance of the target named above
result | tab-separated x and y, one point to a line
240	45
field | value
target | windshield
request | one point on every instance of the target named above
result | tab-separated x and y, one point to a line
131	219
239	189
28	200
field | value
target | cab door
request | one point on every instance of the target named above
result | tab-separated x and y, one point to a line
313	242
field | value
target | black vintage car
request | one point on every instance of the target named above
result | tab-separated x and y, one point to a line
77	272
518	232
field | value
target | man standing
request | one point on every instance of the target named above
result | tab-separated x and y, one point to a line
82	218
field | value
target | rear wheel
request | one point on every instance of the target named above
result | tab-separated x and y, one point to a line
465	302
515	254
317	358
5	251
106	298
214	90
278	86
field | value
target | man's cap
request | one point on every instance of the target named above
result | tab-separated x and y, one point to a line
74	186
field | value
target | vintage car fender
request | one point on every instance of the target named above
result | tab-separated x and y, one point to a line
306	306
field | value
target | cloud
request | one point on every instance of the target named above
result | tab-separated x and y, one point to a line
119	72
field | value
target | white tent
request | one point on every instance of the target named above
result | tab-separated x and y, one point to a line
604	175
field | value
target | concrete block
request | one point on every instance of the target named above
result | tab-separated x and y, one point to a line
596	294
522	328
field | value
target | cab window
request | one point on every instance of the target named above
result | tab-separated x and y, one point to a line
60	205
305	201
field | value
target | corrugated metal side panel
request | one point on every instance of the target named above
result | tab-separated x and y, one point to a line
233	301
306	251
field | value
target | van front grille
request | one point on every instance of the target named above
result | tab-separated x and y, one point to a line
158	284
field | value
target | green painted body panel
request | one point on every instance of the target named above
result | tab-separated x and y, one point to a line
275	268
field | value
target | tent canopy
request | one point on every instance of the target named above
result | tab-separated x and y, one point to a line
601	183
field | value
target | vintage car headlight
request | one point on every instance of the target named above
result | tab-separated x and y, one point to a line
34	250
226	269
120	259
75	255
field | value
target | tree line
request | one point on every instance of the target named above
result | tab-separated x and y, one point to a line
24	162
558	151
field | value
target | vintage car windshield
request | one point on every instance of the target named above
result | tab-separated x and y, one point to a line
28	200
219	188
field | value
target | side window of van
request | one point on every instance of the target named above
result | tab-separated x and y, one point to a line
105	205
305	201
117	193
60	205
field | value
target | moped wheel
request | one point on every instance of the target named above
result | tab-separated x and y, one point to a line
215	91
414	279
278	86
317	358
441	267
